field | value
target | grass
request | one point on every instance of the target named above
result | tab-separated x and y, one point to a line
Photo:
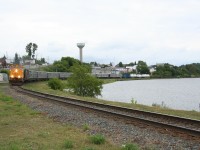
98	139
43	87
68	144
130	147
23	128
86	127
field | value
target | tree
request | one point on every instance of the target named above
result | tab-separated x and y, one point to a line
93	64
41	61
30	49
131	64
34	49
16	59
120	64
142	68
84	84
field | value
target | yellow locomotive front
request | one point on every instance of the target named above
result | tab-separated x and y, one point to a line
16	75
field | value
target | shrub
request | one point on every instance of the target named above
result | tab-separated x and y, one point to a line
85	127
133	101
68	144
5	71
55	84
97	139
130	147
84	84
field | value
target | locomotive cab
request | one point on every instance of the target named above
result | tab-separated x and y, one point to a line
16	75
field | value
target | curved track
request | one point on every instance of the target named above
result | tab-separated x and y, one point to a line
170	123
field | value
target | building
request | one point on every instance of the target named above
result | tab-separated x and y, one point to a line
131	68
3	63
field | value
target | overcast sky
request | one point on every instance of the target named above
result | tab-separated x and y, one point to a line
155	31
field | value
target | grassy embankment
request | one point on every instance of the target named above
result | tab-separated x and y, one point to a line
42	86
23	128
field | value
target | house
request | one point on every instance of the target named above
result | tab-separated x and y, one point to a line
3	63
152	69
131	68
29	62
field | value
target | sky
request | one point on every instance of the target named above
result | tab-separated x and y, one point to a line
155	31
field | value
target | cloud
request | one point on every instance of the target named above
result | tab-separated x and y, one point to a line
113	30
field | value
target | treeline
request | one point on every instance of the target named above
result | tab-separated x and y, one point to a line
170	71
65	64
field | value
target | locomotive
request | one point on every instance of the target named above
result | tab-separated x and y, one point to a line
18	75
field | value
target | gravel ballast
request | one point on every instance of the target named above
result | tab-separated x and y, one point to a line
118	131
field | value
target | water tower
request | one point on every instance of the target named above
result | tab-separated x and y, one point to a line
80	46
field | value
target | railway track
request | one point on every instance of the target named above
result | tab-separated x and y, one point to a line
169	123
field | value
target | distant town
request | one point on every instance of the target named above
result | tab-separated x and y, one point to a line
137	69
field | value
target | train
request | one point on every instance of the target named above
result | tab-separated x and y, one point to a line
18	75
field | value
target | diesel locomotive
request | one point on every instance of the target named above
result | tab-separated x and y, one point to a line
18	75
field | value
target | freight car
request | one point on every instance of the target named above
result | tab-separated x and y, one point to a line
19	75
107	75
31	75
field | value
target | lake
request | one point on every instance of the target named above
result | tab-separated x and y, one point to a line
173	93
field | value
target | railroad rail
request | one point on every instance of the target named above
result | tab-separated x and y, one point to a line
168	122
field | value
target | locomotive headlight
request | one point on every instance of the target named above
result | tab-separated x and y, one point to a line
16	70
19	76
11	76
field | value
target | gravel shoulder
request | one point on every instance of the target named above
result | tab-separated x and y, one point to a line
118	131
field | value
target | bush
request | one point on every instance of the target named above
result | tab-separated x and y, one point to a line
98	139
55	84
82	83
130	147
68	144
85	127
5	71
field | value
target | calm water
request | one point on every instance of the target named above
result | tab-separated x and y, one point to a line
175	93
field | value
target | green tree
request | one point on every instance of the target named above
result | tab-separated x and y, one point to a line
30	49
16	59
65	64
41	61
120	64
34	49
82	83
142	68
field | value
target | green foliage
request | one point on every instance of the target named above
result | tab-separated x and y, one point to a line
130	147
120	64
64	65
68	144
5	71
162	105
14	146
55	84
30	49
16	59
88	148
98	139
168	71
5	98
40	62
25	57
142	68
85	127
82	83
133	101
